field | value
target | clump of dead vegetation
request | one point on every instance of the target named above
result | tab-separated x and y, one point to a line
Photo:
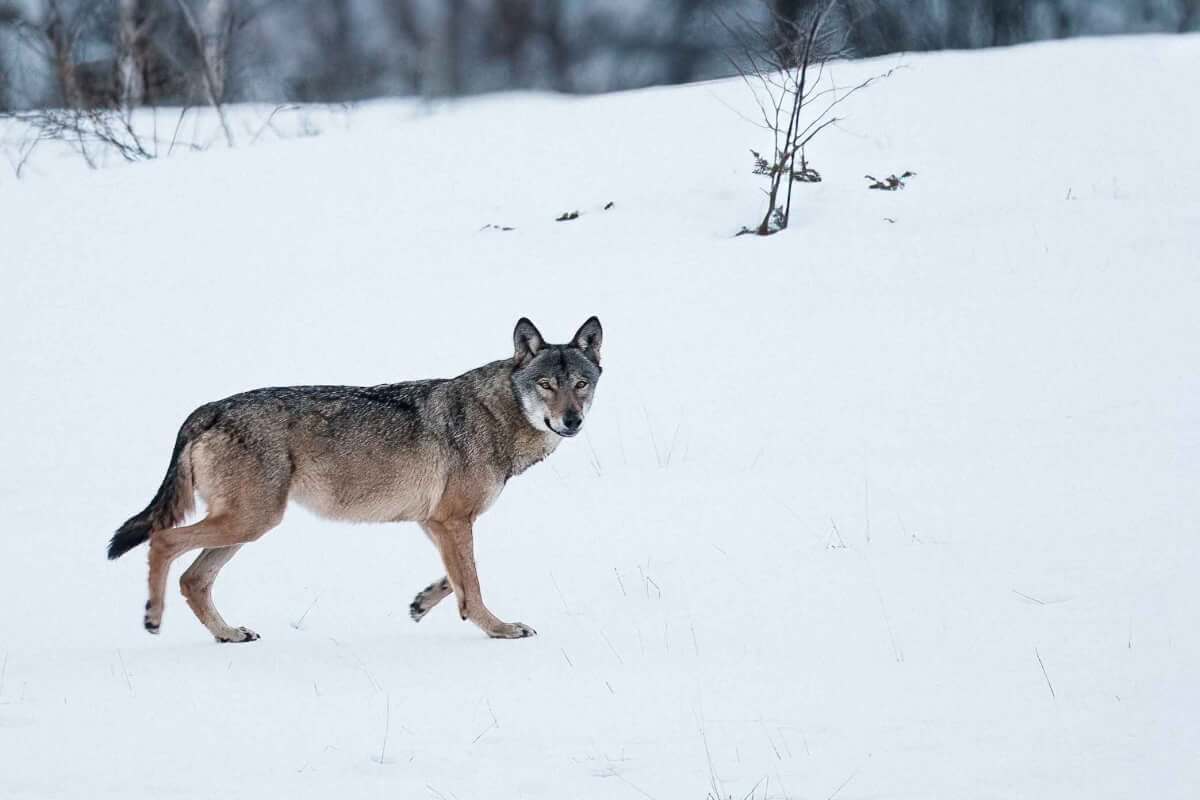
891	183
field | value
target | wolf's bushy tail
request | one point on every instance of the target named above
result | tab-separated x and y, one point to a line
170	505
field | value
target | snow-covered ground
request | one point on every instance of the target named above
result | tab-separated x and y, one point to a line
901	503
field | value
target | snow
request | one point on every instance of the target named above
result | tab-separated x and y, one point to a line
866	509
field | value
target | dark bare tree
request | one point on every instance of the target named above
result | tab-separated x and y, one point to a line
211	34
338	64
1008	22
62	30
683	60
133	25
1189	16
553	29
455	35
410	53
783	67
513	25
10	22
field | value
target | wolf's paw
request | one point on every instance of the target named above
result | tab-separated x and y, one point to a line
152	621
427	598
512	630
238	635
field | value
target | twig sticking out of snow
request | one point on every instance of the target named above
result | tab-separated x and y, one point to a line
897	653
387	728
561	597
120	658
1045	675
713	780
608	642
838	790
653	441
495	722
841	543
1029	597
299	623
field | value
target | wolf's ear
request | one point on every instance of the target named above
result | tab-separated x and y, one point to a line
527	342
588	339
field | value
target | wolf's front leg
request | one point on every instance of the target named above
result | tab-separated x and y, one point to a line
455	541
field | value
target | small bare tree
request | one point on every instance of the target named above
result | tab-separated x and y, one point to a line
62	31
412	39
784	65
132	25
211	35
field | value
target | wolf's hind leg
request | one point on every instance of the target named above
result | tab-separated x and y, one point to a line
218	530
196	584
429	597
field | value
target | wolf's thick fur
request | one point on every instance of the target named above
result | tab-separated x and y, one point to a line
435	452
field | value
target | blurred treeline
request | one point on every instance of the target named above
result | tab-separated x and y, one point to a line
93	53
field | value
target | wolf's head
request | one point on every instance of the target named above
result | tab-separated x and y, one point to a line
555	383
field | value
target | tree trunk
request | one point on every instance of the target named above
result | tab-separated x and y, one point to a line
212	73
684	56
131	67
413	64
513	24
62	42
215	22
1191	16
456	23
1008	22
764	227
556	42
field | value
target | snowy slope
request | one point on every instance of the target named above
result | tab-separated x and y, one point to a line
869	509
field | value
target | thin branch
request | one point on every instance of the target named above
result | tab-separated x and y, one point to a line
178	124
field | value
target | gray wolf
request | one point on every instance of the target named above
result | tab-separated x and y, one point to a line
434	452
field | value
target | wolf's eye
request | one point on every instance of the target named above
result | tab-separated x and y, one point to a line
581	385
545	384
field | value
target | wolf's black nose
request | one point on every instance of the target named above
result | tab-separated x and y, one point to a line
572	423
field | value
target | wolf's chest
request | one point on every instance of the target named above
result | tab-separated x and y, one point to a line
531	450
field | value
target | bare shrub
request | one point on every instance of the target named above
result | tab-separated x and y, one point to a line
91	132
784	63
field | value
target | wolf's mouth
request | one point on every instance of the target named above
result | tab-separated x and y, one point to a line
563	434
